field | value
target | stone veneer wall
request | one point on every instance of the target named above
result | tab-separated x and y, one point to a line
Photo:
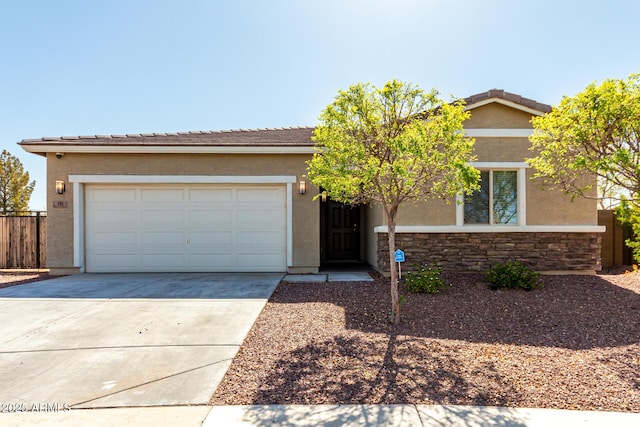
479	251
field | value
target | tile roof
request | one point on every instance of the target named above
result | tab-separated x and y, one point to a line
508	96
292	136
276	137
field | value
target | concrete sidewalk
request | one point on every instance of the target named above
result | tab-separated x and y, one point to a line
322	415
330	276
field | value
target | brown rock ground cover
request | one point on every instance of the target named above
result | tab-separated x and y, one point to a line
9	278
575	344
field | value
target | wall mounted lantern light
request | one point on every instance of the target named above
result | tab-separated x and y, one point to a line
323	196
302	185
60	187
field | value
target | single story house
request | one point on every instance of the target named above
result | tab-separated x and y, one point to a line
238	200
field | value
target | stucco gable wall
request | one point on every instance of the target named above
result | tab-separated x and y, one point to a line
498	116
544	207
502	149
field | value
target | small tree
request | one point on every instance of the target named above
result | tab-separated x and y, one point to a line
15	188
596	131
389	146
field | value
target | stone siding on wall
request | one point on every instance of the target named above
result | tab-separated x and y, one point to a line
479	251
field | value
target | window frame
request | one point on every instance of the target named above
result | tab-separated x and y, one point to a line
521	188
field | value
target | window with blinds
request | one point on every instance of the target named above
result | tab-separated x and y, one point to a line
497	200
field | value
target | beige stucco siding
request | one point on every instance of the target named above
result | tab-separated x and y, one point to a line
305	211
544	207
553	207
429	212
502	149
495	115
60	220
180	164
374	216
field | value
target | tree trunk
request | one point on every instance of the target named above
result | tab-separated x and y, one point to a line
395	299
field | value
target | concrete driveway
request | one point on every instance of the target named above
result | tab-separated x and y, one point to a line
110	340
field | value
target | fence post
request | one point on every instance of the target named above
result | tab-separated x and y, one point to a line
38	240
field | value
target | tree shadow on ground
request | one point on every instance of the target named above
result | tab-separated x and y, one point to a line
368	415
466	346
386	370
582	312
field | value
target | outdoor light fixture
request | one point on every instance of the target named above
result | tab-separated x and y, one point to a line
303	186
323	196
60	187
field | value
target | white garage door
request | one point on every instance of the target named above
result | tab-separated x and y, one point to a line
154	228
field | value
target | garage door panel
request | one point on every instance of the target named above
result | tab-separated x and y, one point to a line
261	261
162	195
263	218
260	238
258	195
161	251
113	195
156	217
164	262
211	218
124	260
122	217
211	239
223	262
217	227
114	239
211	195
163	238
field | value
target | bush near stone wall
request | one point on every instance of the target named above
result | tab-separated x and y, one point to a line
479	251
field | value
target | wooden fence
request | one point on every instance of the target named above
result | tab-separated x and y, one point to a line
23	241
614	250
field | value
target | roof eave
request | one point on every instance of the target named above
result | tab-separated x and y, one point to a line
511	104
508	99
44	148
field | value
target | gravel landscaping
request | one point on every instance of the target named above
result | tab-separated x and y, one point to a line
575	344
8	279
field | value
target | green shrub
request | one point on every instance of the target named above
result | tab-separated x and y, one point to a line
425	279
629	215
514	275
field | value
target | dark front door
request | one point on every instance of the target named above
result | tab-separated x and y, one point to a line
342	225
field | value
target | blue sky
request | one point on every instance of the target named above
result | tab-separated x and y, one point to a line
112	67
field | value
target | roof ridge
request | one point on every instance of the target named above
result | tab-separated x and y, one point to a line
507	96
